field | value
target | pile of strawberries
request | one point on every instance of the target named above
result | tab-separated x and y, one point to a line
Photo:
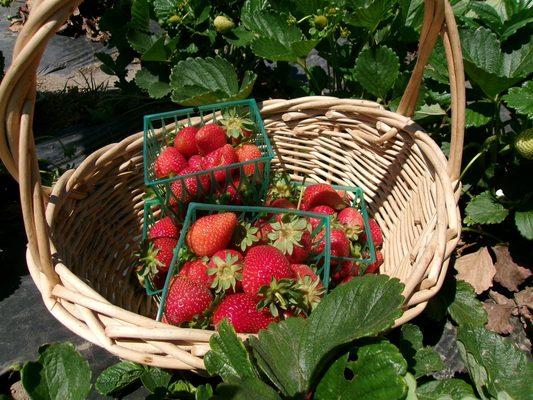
212	146
348	238
248	272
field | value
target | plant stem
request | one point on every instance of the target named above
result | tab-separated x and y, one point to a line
472	161
481	232
301	62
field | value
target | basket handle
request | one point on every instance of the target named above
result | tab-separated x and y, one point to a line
439	19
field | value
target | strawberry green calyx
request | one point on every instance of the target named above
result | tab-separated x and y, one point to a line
286	235
281	295
150	261
311	292
246	235
236	125
227	272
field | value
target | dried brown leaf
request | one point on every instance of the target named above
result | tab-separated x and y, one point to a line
508	273
477	269
501	299
499	317
524	300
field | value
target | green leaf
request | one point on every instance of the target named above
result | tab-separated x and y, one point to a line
117	377
228	356
239	37
60	373
521	98
488	66
429	110
181	389
517	21
247	389
422	360
524	223
437	67
155	378
465	308
479	114
198	81
141	41
155	87
484	209
291	352
450	389
140	15
487	14
496	366
377	374
377	70
164	8
157	52
204	392
370	14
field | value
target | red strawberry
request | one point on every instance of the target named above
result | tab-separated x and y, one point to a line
169	163
303	270
301	252
225	267
375	266
282	203
326	210
339	243
241	311
165	251
197	162
375	231
197	271
211	233
209	138
186	299
191	189
220	157
265	228
185	141
352	220
321	194
165	227
248	152
231	193
261	264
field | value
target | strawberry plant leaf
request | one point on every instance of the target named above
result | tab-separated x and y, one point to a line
293	351
370	14
155	379
377	70
248	388
497	367
196	81
465	308
421	360
484	209
140	15
117	377
524	223
517	21
156	87
451	389
437	67
521	98
488	66
377	374
163	9
228	356
479	114
60	373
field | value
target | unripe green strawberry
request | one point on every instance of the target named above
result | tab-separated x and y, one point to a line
524	144
223	24
321	21
174	19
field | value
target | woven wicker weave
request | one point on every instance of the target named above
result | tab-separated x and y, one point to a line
82	233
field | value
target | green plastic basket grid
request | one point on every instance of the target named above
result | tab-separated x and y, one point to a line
249	214
358	202
256	184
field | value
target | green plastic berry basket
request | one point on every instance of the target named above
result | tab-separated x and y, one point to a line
248	214
159	131
357	197
153	211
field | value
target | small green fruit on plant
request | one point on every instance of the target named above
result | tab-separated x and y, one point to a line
174	19
223	24
321	21
524	144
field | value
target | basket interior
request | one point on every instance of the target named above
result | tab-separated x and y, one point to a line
96	234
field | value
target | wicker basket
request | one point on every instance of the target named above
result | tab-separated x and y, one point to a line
83	231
